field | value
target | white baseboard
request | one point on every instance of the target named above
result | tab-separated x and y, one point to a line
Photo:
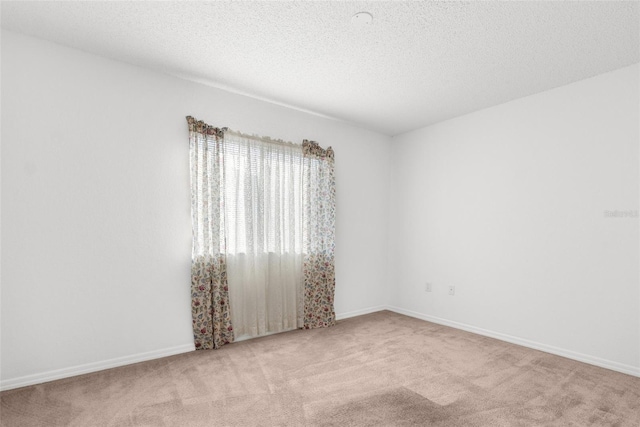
340	316
92	367
592	360
156	354
127	360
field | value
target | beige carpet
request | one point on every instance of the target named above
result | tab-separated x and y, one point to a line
381	369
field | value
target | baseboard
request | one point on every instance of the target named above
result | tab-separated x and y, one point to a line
340	316
127	360
92	367
580	357
141	357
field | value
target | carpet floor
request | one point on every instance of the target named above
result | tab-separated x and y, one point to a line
381	369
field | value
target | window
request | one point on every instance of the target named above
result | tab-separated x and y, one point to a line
263	218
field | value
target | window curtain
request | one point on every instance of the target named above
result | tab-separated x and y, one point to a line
319	219
209	288
263	195
263	215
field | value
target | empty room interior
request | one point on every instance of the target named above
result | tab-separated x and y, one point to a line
337	213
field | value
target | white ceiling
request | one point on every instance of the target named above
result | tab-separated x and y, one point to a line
417	63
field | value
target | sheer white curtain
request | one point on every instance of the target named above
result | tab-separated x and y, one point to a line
263	230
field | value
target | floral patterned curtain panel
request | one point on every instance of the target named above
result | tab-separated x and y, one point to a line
319	219
263	219
209	288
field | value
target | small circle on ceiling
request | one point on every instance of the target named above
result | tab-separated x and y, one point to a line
361	19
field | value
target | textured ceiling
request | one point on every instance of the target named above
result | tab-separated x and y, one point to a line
417	63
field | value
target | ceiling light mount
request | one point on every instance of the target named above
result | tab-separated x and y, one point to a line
361	19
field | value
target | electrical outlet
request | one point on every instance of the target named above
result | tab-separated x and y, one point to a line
452	290
427	287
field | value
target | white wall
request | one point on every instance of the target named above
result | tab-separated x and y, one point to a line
507	204
96	231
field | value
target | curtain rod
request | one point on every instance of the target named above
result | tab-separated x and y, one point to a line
259	138
225	130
